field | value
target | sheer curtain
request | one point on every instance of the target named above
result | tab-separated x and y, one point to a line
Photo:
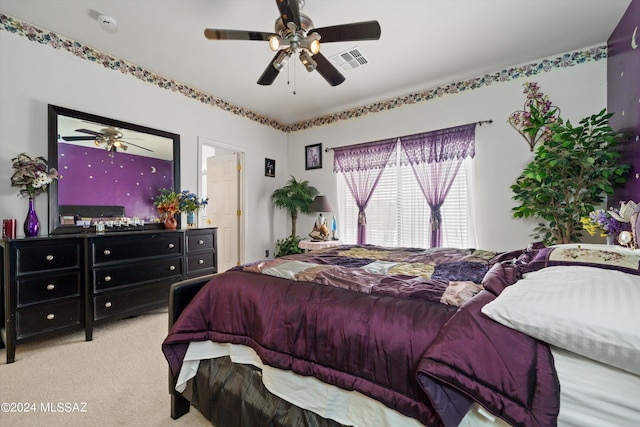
435	158
362	166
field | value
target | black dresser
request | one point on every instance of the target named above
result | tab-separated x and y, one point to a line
55	283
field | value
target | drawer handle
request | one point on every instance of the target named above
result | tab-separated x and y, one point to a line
51	287
49	257
107	252
50	316
171	268
200	261
107	278
201	242
171	245
107	304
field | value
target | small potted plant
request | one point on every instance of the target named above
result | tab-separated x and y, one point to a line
190	204
168	205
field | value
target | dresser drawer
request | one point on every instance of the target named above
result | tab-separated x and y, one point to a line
121	248
201	263
46	288
134	273
45	318
199	242
47	257
118	303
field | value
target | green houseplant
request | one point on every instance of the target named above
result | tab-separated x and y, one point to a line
571	172
294	198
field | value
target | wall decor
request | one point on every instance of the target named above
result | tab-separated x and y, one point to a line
313	156
269	168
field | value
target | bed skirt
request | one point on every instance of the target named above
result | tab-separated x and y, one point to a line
231	394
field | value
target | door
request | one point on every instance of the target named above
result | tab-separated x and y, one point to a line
223	211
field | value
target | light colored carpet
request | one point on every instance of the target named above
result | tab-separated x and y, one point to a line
119	379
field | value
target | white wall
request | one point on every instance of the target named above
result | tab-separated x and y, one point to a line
34	75
501	153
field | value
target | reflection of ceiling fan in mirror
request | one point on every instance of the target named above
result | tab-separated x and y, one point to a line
110	136
296	35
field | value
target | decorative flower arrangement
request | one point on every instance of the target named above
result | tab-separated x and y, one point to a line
189	202
168	201
602	221
31	175
533	122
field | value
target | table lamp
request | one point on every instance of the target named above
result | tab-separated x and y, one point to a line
321	205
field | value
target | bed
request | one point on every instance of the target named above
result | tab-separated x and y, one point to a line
373	336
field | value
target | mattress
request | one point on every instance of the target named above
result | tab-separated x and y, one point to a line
593	394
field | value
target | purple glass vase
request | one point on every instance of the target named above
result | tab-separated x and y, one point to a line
31	224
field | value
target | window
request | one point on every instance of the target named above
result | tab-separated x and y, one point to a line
398	214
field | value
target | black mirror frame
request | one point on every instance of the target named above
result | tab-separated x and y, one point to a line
53	113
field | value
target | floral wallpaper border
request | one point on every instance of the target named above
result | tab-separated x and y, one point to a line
37	34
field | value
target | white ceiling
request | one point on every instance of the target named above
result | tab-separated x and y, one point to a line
424	43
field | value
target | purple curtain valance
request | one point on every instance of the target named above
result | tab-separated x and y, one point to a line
363	157
438	146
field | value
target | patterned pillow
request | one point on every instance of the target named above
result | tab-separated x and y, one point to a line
609	257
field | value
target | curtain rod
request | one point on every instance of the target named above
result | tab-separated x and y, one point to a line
480	123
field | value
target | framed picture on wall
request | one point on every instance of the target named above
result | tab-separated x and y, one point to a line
269	168
313	156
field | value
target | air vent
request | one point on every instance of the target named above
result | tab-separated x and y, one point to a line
349	59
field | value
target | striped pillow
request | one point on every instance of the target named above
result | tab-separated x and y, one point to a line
594	312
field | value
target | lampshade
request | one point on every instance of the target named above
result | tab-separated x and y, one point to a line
281	60
320	204
307	61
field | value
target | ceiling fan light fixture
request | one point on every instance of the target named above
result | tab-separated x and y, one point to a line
308	61
281	60
311	43
278	43
314	46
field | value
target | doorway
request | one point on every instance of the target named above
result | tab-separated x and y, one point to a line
221	181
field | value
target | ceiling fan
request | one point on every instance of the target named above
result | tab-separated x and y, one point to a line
110	136
295	34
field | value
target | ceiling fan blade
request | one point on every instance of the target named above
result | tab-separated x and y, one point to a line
139	146
270	73
78	138
327	70
90	132
219	34
368	30
289	11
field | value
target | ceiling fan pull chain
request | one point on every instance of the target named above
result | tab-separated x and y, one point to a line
294	78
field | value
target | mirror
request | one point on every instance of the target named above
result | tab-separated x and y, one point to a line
108	170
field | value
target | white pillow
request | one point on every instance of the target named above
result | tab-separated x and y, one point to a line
590	311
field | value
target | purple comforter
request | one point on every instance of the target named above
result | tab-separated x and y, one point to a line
409	352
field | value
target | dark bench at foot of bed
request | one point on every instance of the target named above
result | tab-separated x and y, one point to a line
180	294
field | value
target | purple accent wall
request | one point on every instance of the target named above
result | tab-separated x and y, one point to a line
623	95
94	176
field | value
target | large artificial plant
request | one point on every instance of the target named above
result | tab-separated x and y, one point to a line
294	198
573	168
